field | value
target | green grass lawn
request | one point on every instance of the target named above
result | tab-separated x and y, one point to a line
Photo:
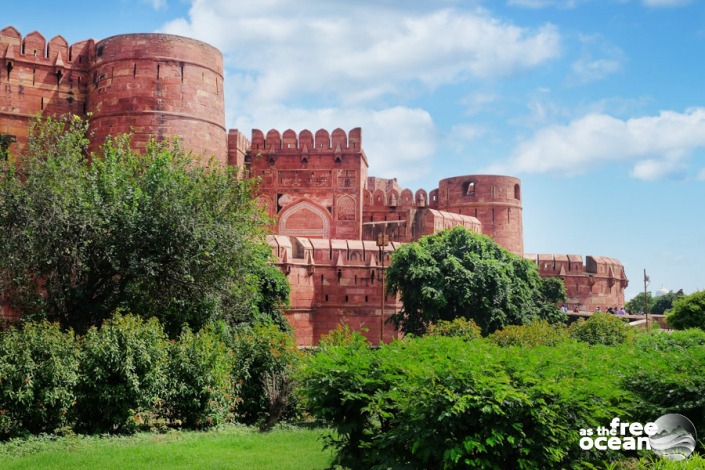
232	447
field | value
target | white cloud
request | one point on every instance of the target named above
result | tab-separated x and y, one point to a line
536	4
598	60
665	3
362	50
660	145
320	64
157	4
398	141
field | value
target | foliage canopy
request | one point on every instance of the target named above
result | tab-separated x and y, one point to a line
688	312
457	273
155	233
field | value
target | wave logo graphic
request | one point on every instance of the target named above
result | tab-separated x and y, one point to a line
675	439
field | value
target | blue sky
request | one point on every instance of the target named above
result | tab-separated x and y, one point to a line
598	106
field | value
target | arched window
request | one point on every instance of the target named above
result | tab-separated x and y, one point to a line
469	188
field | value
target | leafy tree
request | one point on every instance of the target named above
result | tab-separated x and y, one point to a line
688	312
637	303
662	303
155	234
457	273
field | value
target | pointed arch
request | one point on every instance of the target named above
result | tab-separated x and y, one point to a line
305	219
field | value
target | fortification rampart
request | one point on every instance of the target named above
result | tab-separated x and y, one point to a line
334	282
492	199
146	84
597	283
311	185
159	85
39	77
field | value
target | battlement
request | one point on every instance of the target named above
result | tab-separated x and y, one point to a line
306	141
597	283
35	49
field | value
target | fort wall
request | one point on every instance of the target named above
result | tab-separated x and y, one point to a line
327	211
39	77
159	85
146	84
335	282
494	200
599	282
310	185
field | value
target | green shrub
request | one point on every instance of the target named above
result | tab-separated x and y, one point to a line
669	341
123	375
437	402
669	379
342	335
460	327
38	375
537	333
265	360
602	328
688	312
201	386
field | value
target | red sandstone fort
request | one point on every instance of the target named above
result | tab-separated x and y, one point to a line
328	212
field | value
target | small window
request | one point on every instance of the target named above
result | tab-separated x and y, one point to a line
517	192
469	188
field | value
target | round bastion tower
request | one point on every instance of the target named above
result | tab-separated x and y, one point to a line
494	200
161	85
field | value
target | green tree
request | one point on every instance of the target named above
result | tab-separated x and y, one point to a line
688	312
457	273
637	303
662	303
155	233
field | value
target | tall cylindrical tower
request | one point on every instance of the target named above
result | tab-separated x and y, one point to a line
158	85
494	200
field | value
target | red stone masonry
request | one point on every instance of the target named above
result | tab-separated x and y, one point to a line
159	85
327	212
494	200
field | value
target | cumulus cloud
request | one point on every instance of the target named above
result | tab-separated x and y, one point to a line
659	145
323	64
368	51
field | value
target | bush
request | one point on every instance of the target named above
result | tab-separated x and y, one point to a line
342	335
601	328
688	312
265	360
671	341
123	375
201	388
38	375
438	402
668	376
537	333
458	327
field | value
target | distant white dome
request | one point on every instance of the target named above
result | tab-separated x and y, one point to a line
661	291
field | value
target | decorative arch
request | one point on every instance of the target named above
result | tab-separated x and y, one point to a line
379	198
305	219
345	208
407	198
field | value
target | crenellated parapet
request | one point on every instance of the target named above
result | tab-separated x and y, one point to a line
335	282
311	185
149	85
40	77
599	282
